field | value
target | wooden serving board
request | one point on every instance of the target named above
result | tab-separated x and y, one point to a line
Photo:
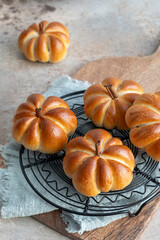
146	71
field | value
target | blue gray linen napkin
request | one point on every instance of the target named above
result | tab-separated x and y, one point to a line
16	196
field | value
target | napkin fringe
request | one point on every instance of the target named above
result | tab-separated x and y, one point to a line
5	191
5	180
72	226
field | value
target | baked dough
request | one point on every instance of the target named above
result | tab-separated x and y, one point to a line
46	42
43	124
106	103
144	120
98	163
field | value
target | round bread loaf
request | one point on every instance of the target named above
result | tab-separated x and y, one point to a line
144	120
43	125
46	42
106	104
98	163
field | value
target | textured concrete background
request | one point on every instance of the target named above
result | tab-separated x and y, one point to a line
97	29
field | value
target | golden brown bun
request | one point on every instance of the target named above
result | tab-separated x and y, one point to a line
46	42
144	120
94	169
105	111
43	125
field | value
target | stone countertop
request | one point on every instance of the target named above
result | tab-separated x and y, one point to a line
97	29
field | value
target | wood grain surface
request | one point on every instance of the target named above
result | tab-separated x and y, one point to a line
123	229
146	71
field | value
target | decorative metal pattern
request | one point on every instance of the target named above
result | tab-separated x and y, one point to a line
50	182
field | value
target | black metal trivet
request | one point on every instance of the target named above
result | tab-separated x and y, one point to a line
44	173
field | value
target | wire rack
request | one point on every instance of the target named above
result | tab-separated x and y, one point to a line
45	175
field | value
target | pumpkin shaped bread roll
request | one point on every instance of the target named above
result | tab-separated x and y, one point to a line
43	124
144	120
106	103
98	163
46	42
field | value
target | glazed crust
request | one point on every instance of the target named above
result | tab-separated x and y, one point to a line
47	132
144	120
105	111
46	42
92	172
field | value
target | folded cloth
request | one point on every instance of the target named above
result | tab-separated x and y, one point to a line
80	224
16	196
